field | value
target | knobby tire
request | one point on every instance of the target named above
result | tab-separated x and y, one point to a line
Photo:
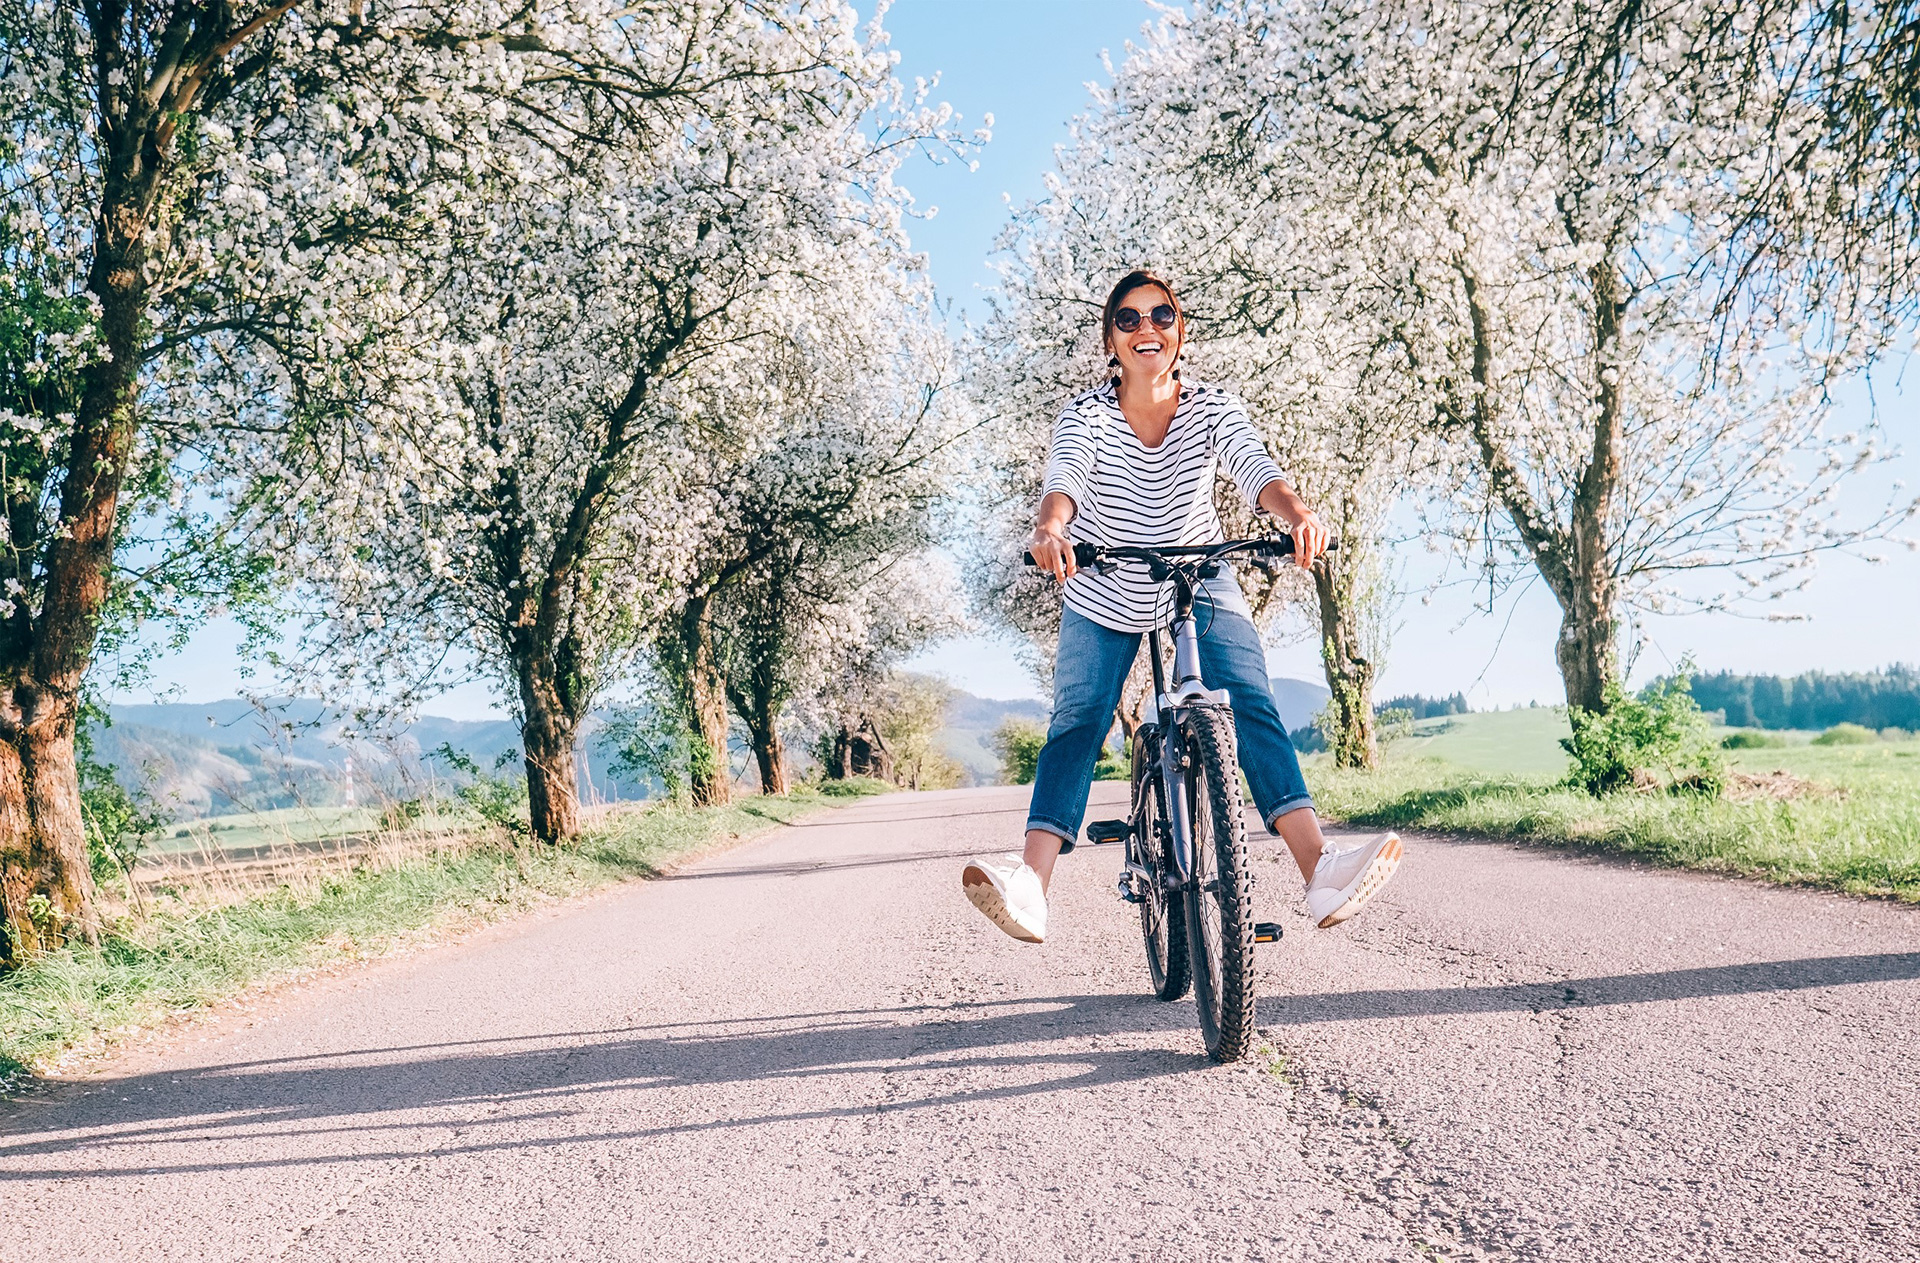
1219	901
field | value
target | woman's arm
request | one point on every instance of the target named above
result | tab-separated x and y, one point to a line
1309	533
1250	465
1070	458
1052	550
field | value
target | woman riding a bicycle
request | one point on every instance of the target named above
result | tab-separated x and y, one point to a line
1132	463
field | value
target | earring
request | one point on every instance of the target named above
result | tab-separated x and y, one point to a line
1113	361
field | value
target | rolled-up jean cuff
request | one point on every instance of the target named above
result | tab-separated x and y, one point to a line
1058	830
1292	804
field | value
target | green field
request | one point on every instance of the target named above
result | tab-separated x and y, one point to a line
1510	742
281	827
1843	817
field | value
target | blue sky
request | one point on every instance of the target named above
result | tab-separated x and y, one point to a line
1027	62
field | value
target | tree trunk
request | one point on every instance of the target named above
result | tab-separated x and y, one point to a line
771	753
46	883
704	694
553	787
1574	560
1589	648
758	699
1349	672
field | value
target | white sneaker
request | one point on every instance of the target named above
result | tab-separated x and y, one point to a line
1009	893
1343	881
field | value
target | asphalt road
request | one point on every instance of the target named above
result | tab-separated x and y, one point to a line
812	1047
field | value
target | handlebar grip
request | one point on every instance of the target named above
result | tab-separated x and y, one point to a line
1283	547
1084	555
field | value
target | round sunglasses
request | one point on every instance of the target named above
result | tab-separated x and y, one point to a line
1126	320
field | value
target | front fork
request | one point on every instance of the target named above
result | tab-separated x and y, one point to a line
1172	705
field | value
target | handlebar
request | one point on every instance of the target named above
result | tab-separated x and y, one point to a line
1085	555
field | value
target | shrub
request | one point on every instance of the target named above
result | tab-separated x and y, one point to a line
1752	741
1847	735
498	800
1017	741
1894	734
118	824
1393	722
1114	765
1660	731
854	787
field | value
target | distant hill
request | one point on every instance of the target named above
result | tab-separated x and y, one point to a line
218	758
971	721
1298	701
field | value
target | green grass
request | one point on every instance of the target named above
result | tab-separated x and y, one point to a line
182	957
1857	829
1511	742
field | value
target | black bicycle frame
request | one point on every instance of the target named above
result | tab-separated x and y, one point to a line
1170	706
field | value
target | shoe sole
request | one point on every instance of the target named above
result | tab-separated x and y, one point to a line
986	896
1376	876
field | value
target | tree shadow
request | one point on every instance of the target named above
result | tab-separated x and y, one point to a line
553	1075
803	868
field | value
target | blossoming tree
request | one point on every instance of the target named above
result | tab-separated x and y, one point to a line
172	172
1563	197
507	471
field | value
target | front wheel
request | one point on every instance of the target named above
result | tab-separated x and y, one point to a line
1219	900
1163	920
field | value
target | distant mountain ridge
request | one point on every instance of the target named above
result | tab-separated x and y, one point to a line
217	758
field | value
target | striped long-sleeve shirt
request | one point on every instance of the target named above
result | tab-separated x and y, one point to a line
1126	493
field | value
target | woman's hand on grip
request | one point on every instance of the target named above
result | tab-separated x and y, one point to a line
1052	552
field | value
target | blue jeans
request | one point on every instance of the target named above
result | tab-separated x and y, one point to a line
1090	670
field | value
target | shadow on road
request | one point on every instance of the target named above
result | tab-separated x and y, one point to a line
1674	984
802	868
854	815
299	1098
480	1090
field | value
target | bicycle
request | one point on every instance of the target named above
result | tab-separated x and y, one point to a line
1186	857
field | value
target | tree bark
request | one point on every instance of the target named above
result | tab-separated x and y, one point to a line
754	689
762	715
770	752
553	786
1588	649
46	883
1349	673
704	695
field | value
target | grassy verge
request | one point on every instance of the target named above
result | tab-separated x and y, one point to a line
185	955
1853	824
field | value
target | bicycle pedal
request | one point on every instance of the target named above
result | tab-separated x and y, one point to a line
1104	832
1267	931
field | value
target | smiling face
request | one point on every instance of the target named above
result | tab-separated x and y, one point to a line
1149	352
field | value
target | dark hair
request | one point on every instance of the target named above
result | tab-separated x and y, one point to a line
1127	284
